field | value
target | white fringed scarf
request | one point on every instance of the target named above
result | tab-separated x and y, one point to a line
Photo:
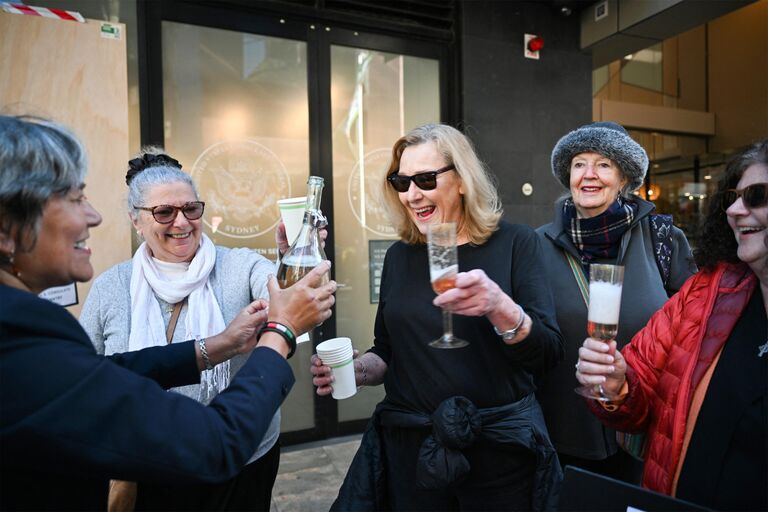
203	319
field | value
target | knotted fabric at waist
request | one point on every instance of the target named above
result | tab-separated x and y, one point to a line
457	423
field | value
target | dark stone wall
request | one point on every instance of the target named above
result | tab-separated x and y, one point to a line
515	109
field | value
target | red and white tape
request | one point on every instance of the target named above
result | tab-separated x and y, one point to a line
45	12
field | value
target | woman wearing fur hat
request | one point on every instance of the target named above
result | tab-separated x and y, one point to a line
601	221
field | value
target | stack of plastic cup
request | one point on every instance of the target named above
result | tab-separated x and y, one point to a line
337	354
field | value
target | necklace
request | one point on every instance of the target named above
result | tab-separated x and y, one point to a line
166	306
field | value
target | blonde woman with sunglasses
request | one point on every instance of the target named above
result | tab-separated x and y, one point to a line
458	429
695	379
178	286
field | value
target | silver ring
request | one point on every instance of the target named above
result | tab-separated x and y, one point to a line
577	366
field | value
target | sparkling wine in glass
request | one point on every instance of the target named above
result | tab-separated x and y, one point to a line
605	283
443	267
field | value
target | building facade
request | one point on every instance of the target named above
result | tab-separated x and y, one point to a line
254	96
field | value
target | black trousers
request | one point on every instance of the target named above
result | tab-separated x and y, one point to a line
501	477
250	490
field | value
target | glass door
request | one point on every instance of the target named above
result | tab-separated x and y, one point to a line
236	110
252	105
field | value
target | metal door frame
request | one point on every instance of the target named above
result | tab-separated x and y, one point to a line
319	37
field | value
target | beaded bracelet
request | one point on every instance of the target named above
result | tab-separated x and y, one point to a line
204	353
282	330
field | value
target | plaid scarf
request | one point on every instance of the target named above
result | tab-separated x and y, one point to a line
598	237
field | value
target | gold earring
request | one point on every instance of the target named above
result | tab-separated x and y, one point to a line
9	260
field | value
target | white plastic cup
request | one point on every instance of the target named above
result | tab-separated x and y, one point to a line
292	213
337	354
334	345
335	358
343	380
336	350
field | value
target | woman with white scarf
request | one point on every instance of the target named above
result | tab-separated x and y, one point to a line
177	276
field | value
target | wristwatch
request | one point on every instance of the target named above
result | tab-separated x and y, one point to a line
510	334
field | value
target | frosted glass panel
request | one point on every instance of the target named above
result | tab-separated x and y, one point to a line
236	117
376	97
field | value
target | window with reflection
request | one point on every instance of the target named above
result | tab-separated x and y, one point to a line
376	97
236	116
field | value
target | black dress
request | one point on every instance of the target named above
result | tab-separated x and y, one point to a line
488	372
726	465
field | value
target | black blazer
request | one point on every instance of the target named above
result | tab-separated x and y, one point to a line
71	419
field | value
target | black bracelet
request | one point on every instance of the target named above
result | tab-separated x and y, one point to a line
283	331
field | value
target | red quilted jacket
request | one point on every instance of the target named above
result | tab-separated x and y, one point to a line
662	358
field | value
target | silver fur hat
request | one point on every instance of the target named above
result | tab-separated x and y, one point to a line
608	139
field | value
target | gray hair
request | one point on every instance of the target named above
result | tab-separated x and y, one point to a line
141	183
38	159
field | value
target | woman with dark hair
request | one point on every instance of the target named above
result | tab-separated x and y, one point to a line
71	419
695	379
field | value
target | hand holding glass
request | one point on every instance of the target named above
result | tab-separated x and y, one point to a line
605	283
443	267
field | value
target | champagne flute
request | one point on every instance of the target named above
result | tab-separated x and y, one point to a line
443	267
605	283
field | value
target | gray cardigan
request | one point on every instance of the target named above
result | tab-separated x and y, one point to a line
573	429
239	276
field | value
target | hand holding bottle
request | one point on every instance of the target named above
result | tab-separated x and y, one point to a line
306	252
282	240
306	304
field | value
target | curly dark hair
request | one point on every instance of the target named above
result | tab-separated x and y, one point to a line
146	160
716	241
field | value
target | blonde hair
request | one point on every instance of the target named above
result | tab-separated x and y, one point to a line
480	202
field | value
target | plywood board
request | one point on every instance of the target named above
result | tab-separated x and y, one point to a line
76	74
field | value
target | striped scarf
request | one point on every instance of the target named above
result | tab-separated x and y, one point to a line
598	237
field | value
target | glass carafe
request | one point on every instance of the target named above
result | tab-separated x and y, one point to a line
306	252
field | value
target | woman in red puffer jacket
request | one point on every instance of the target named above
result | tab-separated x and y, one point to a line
695	379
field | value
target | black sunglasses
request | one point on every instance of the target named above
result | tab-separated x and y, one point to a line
166	213
423	180
754	196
